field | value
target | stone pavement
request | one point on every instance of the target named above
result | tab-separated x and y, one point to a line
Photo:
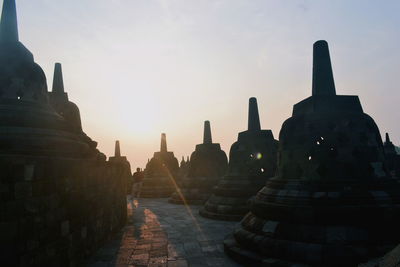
162	234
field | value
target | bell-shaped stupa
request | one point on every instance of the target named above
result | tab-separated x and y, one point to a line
332	202
60	102
160	173
252	161
207	165
28	124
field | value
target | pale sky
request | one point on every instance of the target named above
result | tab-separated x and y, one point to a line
137	68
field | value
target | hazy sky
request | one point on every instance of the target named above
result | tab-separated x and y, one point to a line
137	68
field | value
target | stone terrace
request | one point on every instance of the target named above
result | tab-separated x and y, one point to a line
162	234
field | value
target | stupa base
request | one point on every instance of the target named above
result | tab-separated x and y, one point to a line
249	258
220	216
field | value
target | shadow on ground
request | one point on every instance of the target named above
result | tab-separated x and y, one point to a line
162	234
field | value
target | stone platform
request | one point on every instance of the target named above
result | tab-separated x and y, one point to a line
162	234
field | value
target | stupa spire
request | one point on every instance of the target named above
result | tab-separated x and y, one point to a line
8	23
254	118
322	81
207	138
117	149
163	143
387	140
58	83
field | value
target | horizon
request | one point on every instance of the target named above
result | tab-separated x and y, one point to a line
190	62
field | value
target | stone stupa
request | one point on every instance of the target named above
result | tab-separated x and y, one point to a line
392	158
332	202
252	161
183	171
125	166
160	173
28	123
60	102
208	163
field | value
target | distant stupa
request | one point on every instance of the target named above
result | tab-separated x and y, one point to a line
60	102
332	201
124	163
252	161
160	173
392	158
208	164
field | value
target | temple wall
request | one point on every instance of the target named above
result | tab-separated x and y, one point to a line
54	212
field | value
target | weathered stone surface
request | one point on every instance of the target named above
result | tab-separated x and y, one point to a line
332	202
252	161
160	173
82	204
208	164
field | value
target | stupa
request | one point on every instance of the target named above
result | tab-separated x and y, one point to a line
252	161
28	124
64	200
125	166
182	172
332	202
60	102
160	173
392	158
208	164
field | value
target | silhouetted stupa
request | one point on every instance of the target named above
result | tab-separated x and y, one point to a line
125	166
60	102
252	161
183	171
207	165
332	202
392	158
117	156
28	125
60	199
160	173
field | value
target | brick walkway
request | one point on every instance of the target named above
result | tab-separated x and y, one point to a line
162	234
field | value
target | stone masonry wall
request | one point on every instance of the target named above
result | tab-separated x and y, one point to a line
54	212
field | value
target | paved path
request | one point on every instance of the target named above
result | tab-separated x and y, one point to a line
162	234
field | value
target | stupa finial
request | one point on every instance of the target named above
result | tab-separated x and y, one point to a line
117	149
9	24
254	118
58	83
322	81
387	140
163	143
207	138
